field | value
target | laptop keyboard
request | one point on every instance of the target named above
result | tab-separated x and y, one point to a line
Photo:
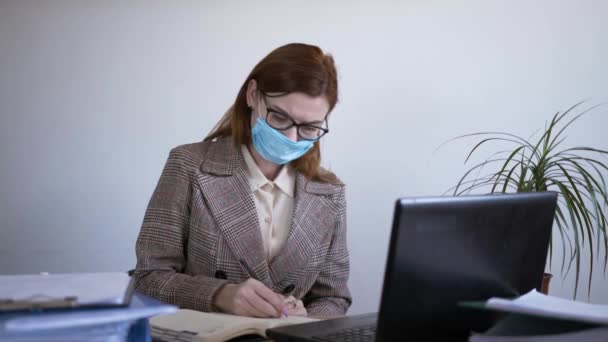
355	334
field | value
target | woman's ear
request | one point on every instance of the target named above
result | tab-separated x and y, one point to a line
252	93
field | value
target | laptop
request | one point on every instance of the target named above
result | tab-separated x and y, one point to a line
443	251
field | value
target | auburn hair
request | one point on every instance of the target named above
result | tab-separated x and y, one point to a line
290	68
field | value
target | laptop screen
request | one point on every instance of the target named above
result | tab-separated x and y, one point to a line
444	250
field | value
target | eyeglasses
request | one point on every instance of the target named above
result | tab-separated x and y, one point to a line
283	122
306	131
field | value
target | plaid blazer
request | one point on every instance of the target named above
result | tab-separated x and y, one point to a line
201	226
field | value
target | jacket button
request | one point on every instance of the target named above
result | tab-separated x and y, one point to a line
289	289
219	274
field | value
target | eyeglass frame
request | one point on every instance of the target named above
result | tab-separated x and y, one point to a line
325	130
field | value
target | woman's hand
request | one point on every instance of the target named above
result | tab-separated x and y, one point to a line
294	307
250	298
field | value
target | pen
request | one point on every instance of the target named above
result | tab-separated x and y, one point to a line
252	275
288	289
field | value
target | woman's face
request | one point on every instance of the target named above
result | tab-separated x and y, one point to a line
299	107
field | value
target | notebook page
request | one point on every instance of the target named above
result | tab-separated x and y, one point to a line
210	327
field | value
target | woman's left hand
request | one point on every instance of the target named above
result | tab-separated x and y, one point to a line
294	307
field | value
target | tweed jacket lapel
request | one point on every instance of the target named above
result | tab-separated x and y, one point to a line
313	218
226	191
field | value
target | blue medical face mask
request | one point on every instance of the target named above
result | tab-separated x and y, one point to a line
274	146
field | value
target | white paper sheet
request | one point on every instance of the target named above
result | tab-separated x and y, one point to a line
538	304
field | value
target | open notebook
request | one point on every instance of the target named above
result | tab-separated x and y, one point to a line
190	325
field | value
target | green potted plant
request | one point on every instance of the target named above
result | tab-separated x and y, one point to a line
576	173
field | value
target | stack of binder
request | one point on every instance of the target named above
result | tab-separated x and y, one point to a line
75	307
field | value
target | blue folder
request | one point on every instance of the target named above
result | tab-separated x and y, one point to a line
85	324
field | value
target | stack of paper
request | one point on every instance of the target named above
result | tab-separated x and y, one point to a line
99	316
541	318
537	304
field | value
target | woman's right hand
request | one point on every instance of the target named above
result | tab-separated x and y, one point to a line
249	298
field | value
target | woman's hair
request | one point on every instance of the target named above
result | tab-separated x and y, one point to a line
290	68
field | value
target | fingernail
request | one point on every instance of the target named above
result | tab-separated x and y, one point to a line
284	313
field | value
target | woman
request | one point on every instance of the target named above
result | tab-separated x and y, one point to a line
247	222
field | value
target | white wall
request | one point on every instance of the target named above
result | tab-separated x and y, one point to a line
93	94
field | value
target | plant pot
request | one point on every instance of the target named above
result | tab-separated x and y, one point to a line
544	287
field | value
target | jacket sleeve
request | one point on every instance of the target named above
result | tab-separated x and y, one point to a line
162	241
330	296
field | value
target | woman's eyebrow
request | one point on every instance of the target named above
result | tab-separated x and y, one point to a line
280	110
